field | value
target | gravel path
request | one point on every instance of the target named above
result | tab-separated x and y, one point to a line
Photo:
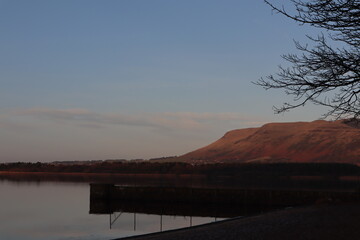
316	222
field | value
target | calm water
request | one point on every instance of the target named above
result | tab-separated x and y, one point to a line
58	210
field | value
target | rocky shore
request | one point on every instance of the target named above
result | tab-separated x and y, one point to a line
325	221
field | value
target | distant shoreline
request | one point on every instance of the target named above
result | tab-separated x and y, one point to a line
113	178
147	175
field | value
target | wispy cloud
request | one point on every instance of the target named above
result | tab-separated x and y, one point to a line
85	117
167	120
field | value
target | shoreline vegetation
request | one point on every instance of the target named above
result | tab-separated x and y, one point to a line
298	176
148	167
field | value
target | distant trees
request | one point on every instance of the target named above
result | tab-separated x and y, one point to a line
175	168
327	72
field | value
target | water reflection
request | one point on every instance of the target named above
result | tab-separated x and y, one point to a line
166	215
53	207
139	223
35	207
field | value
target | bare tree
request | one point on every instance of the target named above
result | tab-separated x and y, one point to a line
323	74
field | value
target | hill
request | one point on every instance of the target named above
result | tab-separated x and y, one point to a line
317	141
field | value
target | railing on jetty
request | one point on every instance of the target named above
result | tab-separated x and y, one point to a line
218	196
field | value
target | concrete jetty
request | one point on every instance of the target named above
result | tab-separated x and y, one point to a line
219	196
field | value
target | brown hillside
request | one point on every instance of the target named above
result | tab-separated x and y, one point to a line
318	141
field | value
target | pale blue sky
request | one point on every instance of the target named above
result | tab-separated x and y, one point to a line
83	79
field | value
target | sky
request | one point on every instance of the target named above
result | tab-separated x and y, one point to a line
86	79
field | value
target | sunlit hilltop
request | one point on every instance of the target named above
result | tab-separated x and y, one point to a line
317	141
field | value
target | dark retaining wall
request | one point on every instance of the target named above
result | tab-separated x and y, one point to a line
218	196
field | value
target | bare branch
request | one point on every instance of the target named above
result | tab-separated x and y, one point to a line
322	74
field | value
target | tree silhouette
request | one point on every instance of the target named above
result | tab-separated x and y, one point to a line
327	72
